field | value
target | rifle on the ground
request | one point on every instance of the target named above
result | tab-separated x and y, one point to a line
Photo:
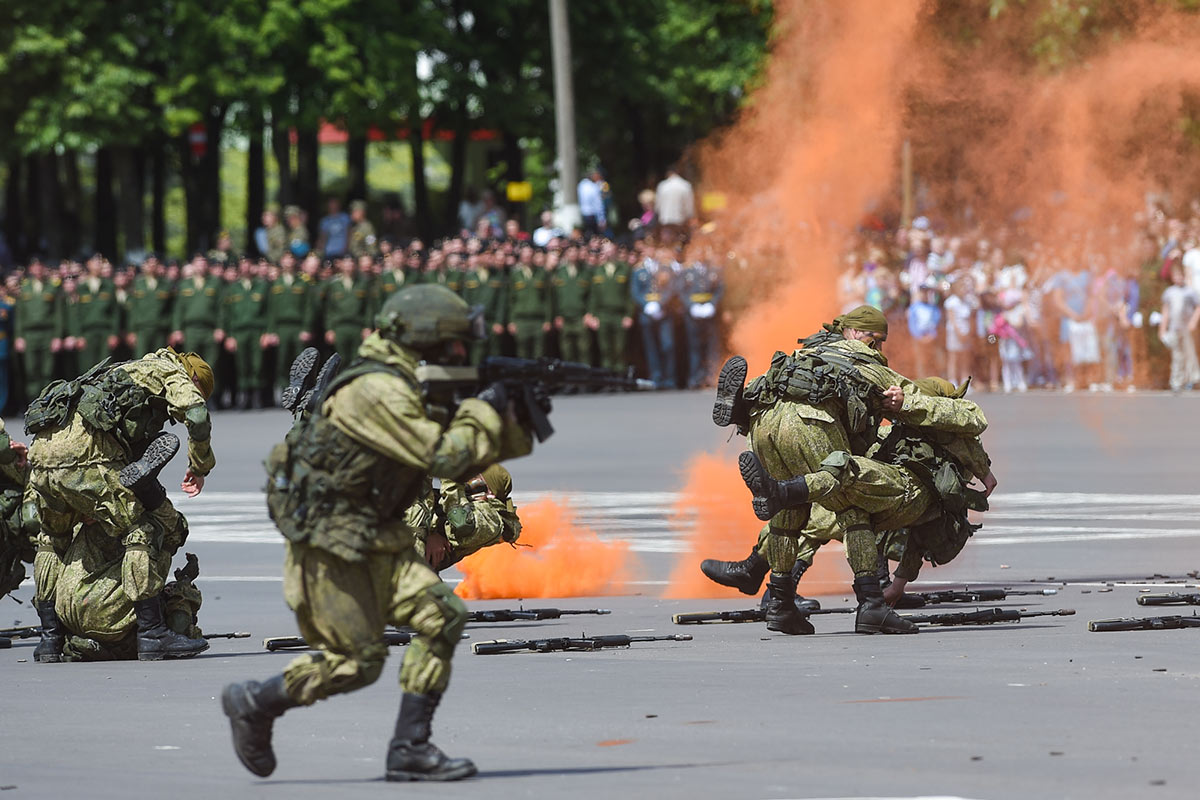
569	644
974	595
390	638
234	635
519	614
1170	599
984	616
1144	624
742	615
528	381
30	632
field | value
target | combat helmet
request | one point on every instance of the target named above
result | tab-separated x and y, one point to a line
425	317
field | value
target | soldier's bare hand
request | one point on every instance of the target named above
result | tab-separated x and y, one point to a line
55	345
112	342
627	322
437	546
305	337
231	344
989	483
19	344
192	484
330	337
893	398
894	591
22	451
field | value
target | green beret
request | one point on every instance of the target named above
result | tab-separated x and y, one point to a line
863	318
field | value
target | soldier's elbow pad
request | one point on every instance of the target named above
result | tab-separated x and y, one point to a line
199	423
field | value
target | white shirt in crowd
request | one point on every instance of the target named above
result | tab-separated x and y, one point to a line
674	200
591	199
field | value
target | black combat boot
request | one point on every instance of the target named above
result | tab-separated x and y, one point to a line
411	756
300	377
155	641
782	614
746	575
252	708
143	473
313	397
806	605
875	616
730	408
54	636
907	601
771	496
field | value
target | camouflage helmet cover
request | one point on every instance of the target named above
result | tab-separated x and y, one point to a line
426	316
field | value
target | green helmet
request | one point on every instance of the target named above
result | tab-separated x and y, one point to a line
426	316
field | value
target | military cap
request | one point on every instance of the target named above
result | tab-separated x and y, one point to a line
291	211
358	205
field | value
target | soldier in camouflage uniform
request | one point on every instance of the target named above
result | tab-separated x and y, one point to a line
96	317
276	236
297	232
462	518
243	318
338	489
828	396
17	529
108	532
362	233
38	327
570	283
528	311
149	309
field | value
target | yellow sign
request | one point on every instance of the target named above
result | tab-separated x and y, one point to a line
713	201
520	191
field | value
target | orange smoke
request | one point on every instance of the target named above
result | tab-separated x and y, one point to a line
562	559
713	514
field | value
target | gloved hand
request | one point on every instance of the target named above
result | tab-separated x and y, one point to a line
190	571
496	396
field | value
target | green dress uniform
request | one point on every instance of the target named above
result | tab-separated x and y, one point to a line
96	317
197	312
569	288
486	288
529	309
150	313
39	319
344	308
288	302
243	317
610	302
386	284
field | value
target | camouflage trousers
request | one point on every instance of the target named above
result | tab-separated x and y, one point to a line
792	439
343	609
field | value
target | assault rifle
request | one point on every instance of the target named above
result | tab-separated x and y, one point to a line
1170	599
30	632
390	638
743	615
1146	624
569	644
527	380
234	635
973	595
984	616
519	614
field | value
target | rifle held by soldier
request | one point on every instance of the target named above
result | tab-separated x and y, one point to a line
569	644
984	616
1169	599
529	383
743	615
520	614
1144	624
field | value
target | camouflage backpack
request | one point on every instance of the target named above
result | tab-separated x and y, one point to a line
54	406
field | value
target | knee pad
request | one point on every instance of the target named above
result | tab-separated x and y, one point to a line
440	617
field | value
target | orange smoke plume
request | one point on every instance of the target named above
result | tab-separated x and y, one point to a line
713	514
562	560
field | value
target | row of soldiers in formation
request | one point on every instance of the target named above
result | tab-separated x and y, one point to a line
259	315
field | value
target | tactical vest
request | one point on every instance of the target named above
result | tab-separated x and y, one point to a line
108	400
813	375
328	491
943	536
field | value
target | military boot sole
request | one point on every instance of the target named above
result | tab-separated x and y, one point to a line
236	708
720	572
158	454
163	655
300	377
452	774
730	384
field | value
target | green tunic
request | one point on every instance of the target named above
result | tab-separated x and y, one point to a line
529	309
243	318
610	302
96	317
197	313
39	320
569	289
150	313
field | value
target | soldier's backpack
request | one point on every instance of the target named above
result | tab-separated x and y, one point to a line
54	406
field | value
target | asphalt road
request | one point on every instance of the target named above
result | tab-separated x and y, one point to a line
1095	490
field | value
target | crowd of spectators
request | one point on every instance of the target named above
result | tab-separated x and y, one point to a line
607	295
1099	310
